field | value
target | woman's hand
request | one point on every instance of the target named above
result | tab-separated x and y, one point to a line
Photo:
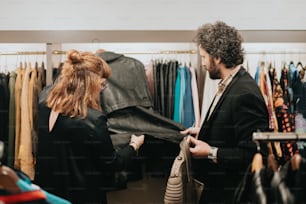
193	131
137	141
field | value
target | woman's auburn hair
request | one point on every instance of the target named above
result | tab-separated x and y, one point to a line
78	86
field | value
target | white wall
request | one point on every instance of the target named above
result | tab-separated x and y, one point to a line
150	14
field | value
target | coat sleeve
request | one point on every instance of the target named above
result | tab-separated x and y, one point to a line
103	146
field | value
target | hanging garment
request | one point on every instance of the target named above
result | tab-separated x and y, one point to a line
127	86
188	109
129	108
142	120
195	97
4	107
16	187
164	73
128	103
12	119
18	90
25	155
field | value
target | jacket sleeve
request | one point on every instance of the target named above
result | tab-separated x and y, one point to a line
103	147
250	116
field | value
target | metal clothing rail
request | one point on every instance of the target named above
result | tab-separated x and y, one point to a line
32	53
164	52
278	136
275	52
195	52
60	52
24	53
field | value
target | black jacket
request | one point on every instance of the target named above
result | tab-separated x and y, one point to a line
129	107
128	103
127	86
77	160
240	111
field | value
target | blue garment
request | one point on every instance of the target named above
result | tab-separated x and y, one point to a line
188	111
257	75
182	93
177	96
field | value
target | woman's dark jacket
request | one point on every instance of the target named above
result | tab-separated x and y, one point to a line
76	160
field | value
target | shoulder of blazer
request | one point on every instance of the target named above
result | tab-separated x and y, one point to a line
242	73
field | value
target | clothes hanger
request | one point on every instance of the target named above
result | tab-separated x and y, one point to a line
256	167
272	164
296	161
8	178
299	64
257	163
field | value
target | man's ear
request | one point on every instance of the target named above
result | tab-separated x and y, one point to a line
217	60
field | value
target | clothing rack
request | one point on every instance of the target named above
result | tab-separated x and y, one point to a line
60	52
55	52
165	52
275	52
278	136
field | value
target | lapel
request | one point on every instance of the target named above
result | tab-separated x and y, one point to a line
207	121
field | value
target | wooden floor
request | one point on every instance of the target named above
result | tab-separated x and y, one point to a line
149	190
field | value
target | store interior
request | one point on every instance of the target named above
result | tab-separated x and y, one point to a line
133	29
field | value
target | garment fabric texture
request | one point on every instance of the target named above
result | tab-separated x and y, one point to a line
25	155
77	160
161	143
28	84
12	120
18	89
4	107
240	111
127	86
286	185
128	105
28	192
164	76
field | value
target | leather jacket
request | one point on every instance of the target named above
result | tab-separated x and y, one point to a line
127	86
128	103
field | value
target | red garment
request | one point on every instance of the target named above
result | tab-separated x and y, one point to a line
29	196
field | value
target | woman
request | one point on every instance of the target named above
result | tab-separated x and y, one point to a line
76	159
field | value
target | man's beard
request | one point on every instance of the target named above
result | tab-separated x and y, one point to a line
214	72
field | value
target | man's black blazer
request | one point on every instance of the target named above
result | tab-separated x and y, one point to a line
240	111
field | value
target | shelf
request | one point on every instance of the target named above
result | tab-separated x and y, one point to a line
87	36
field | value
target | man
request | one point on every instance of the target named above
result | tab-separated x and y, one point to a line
222	148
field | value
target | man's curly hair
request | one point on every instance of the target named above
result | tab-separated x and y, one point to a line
221	40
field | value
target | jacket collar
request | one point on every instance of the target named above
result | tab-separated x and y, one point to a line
208	120
109	56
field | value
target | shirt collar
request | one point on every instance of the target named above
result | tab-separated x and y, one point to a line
224	83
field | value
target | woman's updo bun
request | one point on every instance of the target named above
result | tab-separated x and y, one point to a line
74	56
